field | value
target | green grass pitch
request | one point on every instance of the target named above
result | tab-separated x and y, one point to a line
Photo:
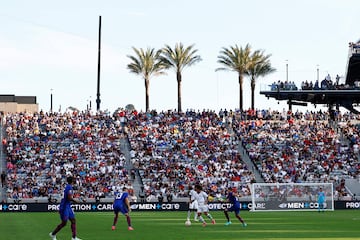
339	224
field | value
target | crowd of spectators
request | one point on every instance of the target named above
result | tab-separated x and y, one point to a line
281	85
42	149
303	148
355	47
172	151
326	84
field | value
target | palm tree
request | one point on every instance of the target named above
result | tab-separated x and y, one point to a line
147	64
236	59
259	66
179	58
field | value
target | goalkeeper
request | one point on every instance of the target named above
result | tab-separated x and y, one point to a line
321	200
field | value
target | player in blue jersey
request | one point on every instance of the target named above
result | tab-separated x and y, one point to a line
65	211
233	199
122	204
321	200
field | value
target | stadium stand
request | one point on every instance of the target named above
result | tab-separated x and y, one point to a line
173	151
163	153
301	149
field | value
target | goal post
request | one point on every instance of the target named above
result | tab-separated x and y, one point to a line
290	196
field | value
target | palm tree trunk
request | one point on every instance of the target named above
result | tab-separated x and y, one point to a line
147	95
241	91
178	78
252	93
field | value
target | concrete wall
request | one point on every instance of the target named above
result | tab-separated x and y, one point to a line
14	107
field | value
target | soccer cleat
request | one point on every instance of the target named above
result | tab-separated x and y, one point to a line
130	228
213	221
113	228
204	224
53	237
75	238
196	219
228	223
244	224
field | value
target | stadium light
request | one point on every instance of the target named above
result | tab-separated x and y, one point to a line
51	100
287	70
317	71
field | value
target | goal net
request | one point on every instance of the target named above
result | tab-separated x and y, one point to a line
291	196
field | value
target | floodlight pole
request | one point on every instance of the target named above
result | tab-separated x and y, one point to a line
51	100
98	72
317	72
287	71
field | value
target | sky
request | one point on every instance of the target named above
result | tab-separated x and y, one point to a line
51	48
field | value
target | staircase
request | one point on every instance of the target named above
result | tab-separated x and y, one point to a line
353	186
2	163
125	149
245	157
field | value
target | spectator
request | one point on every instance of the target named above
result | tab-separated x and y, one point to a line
3	179
169	196
160	197
142	195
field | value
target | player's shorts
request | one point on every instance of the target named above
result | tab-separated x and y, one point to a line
203	208
120	208
193	205
234	208
322	204
66	213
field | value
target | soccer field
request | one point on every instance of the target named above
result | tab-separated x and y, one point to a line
170	226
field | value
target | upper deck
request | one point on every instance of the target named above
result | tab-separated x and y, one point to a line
324	92
353	65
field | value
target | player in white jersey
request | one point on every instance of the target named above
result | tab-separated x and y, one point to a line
202	199
193	204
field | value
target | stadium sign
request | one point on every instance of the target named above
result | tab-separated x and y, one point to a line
13	207
258	205
243	205
286	205
157	206
299	205
173	206
103	207
352	205
219	206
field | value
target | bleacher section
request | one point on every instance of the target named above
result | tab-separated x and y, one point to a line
166	152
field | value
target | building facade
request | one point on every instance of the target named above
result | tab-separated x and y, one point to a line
14	104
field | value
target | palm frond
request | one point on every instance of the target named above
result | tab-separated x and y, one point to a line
234	58
179	57
146	62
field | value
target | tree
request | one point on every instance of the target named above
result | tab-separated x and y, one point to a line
236	59
147	64
130	107
177	59
259	66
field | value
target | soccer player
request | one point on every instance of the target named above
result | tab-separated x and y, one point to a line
232	198
193	204
202	198
65	211
321	200
122	204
